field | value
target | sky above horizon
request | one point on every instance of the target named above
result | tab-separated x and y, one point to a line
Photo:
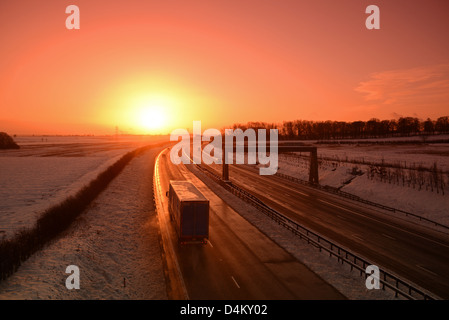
153	66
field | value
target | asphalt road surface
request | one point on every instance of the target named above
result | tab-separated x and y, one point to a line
413	252
239	262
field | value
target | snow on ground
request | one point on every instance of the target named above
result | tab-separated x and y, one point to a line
29	185
115	244
405	139
427	204
407	154
348	282
352	178
46	170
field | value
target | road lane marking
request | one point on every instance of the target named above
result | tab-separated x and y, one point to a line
358	237
427	270
250	174
337	206
210	243
387	223
388	236
301	193
173	268
235	282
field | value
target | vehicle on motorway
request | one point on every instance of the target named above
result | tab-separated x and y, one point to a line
189	209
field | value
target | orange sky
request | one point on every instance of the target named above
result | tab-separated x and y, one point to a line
218	61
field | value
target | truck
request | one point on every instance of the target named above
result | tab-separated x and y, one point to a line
189	209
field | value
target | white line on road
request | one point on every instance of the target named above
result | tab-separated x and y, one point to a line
170	254
274	183
389	224
358	237
210	243
425	269
336	206
235	282
304	194
388	236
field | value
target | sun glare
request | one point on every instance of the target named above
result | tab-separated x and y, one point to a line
153	118
149	113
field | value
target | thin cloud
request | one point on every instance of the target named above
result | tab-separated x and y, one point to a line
415	87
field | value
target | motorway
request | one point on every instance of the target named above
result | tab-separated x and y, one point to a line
416	253
238	262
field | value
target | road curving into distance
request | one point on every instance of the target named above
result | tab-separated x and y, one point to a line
416	253
239	261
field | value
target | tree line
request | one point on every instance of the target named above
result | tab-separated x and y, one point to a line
373	128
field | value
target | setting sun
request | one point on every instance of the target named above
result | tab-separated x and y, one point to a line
153	118
185	150
145	112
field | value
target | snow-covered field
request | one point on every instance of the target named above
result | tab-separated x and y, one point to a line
115	244
406	155
347	166
46	170
117	249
